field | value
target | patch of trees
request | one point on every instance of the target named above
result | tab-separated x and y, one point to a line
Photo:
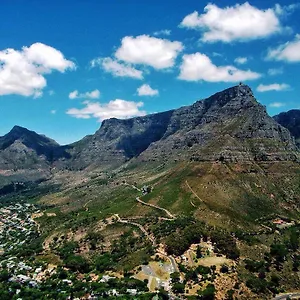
225	243
208	293
254	266
178	242
260	285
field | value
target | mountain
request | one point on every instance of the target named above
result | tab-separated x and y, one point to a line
229	125
26	155
291	121
220	174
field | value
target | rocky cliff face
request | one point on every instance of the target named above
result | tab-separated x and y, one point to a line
291	121
229	125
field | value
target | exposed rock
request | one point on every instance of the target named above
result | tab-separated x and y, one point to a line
230	125
291	121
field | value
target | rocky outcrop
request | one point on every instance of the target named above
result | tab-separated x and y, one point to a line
291	121
229	125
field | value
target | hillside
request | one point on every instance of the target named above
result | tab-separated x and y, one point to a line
190	198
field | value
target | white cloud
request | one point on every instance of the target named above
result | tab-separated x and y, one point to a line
289	51
277	104
287	9
51	93
22	71
118	108
151	51
273	87
147	90
240	22
162	32
116	68
88	95
217	54
196	67
53	111
275	71
241	60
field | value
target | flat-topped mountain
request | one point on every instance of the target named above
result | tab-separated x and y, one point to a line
228	125
291	121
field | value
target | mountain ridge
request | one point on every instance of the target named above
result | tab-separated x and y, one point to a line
229	125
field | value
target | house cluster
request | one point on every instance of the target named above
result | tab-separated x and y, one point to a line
16	226
281	224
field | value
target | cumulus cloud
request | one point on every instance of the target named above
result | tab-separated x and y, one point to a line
162	32
117	68
241	60
118	108
147	90
151	51
88	95
22	71
277	104
53	111
196	67
275	71
273	87
240	22
289	51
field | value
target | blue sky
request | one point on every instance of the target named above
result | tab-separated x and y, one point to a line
65	66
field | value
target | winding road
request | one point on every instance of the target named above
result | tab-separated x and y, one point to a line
155	206
149	236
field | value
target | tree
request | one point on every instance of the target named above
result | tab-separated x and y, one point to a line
279	251
178	288
198	252
208	293
77	263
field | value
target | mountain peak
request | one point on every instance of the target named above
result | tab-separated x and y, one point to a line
18	130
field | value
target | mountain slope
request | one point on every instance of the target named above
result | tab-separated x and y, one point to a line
229	125
291	121
26	155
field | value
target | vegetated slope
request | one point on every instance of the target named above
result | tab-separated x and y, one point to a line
222	168
225	149
291	121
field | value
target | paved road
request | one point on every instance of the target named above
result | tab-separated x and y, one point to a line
174	264
286	296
